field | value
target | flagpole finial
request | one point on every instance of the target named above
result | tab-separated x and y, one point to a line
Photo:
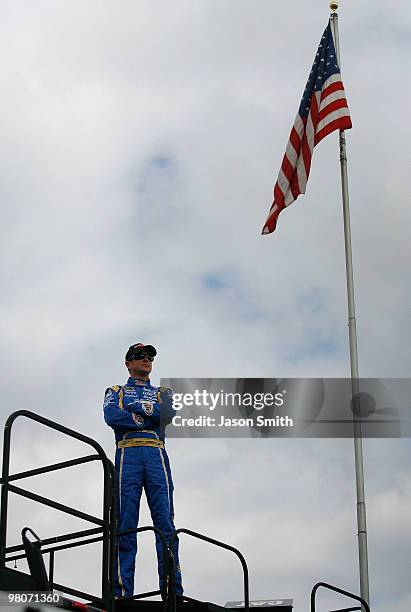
334	6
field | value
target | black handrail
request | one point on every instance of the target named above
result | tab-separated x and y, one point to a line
62	547
342	592
347	609
56	505
200	536
51	566
76	593
56	539
107	523
52	467
146	594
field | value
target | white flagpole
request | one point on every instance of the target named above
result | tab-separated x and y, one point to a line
359	469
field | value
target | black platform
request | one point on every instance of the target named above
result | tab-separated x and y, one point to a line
144	605
13	580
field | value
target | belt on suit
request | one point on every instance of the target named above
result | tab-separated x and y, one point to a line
140	442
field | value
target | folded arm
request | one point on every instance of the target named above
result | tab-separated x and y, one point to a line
114	414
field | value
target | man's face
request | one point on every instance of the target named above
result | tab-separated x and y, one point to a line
140	367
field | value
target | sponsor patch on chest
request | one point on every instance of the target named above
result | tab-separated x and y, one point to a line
138	419
147	407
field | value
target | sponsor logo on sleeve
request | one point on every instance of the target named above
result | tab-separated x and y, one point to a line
108	397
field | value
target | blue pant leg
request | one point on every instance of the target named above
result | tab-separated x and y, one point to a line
159	491
130	470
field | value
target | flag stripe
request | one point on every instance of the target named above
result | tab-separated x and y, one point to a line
283	182
287	168
330	109
295	142
334	86
335	95
341	123
295	188
339	113
278	197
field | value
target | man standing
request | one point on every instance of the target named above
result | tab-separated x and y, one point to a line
133	411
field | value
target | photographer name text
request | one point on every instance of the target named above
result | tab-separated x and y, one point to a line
207	421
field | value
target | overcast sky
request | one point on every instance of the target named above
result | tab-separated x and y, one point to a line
140	142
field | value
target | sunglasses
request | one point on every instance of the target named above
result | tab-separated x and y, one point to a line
140	356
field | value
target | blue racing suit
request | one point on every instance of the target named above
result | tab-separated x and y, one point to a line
133	411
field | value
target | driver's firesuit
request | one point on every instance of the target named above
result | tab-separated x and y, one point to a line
133	411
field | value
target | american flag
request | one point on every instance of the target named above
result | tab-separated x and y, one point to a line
323	109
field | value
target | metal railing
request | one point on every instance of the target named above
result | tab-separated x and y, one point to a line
330	587
105	525
200	536
105	530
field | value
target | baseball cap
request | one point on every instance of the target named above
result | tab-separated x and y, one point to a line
137	349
